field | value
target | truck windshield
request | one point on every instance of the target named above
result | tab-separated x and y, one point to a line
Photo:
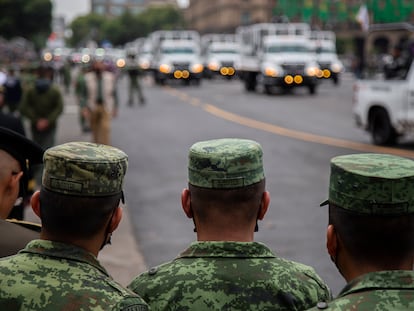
287	48
177	50
223	51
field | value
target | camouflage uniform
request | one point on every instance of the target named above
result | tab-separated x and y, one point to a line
373	184
230	276
225	275
51	275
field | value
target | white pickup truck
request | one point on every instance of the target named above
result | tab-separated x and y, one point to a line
385	108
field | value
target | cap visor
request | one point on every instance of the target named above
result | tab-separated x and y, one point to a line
326	202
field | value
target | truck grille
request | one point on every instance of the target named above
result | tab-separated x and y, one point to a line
325	65
294	68
181	66
227	64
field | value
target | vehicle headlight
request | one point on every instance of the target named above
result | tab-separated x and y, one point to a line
312	71
120	63
197	68
271	72
144	64
214	66
165	68
336	67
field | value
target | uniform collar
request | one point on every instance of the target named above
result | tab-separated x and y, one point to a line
63	251
227	249
395	279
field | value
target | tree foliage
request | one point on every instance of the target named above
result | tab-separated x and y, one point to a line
28	19
125	28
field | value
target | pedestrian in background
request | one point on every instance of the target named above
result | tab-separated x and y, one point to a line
370	236
79	206
17	155
102	101
81	96
225	269
13	90
134	74
42	105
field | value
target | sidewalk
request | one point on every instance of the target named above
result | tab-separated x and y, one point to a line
122	258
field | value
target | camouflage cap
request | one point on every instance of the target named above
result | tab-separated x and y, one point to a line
225	163
84	169
376	184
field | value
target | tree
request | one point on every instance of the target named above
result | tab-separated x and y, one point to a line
27	19
125	28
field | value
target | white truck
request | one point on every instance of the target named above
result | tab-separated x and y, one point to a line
176	56
324	43
220	52
385	107
277	55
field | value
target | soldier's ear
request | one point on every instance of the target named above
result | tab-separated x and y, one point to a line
331	241
35	203
264	205
186	203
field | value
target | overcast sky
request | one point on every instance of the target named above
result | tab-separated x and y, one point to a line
72	8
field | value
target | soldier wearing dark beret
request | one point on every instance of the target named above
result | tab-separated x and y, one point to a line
17	155
79	206
370	236
225	269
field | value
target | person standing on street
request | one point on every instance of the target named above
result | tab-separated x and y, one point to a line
79	206
42	105
225	269
370	236
134	72
101	100
17	155
13	91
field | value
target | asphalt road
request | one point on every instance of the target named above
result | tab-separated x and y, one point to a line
299	134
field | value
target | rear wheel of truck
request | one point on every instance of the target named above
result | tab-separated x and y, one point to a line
382	132
250	82
312	89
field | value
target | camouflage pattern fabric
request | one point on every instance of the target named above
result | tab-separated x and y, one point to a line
230	276
84	169
55	276
376	184
375	291
225	163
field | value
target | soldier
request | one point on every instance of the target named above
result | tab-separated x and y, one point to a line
225	269
134	72
370	236
17	155
78	205
42	105
101	100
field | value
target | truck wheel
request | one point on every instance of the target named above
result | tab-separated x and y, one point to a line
312	89
250	82
382	131
268	89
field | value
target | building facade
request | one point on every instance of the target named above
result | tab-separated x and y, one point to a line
118	7
339	15
224	16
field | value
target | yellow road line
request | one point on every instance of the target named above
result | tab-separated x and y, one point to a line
299	135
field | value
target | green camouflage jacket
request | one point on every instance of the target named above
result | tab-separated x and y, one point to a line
55	276
375	291
230	276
